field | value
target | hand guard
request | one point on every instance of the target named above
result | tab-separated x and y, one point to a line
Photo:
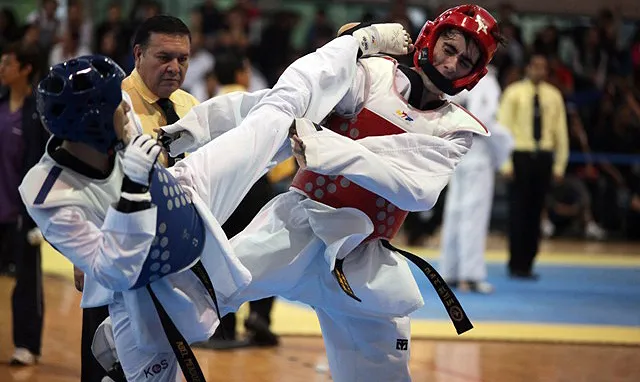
139	157
390	38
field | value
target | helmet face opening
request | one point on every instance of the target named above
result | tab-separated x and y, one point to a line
473	21
52	84
77	99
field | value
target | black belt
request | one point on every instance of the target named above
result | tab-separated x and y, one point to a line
186	359
454	308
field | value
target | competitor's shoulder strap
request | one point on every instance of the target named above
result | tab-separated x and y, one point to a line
417	88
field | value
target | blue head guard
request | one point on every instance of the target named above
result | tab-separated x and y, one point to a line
77	100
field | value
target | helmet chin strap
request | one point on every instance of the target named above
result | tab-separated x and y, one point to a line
441	82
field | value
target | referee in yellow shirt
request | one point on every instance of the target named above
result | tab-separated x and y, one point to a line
161	49
533	110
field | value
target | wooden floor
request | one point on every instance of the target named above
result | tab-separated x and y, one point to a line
302	358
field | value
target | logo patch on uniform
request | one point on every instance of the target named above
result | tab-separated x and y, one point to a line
155	369
404	115
365	43
402	344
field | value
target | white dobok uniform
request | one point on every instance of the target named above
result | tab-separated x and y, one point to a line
467	210
76	213
378	159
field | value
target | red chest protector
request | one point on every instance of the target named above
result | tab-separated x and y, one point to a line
338	191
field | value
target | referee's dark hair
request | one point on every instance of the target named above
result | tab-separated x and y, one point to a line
161	24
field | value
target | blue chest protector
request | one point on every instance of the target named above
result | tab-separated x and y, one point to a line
180	232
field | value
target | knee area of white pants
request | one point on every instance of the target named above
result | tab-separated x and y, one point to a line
103	345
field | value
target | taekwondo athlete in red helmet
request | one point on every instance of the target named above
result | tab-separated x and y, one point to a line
389	147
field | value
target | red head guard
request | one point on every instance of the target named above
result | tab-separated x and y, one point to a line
472	20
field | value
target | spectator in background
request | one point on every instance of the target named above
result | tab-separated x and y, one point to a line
570	205
79	22
16	70
69	47
514	47
109	46
276	50
206	88
112	35
591	61
467	214
30	35
560	76
533	110
547	41
9	31
235	32
635	58
22	144
214	19
616	130
113	21
201	62
46	20
320	31
143	10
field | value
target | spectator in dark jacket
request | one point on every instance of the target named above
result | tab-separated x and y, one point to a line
23	141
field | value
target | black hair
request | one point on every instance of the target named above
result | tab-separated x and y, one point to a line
162	24
533	54
25	55
228	64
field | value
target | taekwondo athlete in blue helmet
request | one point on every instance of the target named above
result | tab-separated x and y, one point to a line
147	238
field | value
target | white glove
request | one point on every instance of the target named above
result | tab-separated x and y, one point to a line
139	157
389	38
34	237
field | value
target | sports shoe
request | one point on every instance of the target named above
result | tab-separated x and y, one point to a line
481	287
23	357
594	231
547	228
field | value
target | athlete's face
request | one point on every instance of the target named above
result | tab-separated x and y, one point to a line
454	55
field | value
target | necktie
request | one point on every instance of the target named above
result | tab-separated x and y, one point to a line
172	117
537	120
167	108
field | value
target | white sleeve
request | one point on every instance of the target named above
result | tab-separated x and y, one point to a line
410	170
501	142
112	254
323	79
211	119
224	170
353	101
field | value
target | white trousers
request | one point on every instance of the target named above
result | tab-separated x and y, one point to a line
365	341
467	212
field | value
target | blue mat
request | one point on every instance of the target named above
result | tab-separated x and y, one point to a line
564	295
